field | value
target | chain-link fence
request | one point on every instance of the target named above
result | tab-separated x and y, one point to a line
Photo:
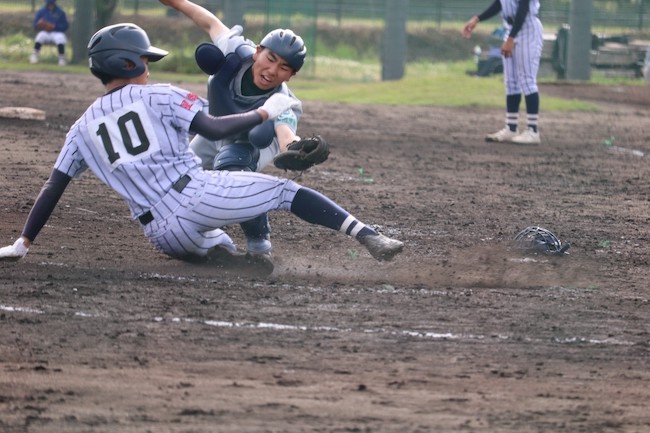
621	15
354	29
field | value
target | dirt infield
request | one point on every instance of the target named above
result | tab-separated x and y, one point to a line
100	333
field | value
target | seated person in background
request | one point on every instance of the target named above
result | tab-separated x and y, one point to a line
51	23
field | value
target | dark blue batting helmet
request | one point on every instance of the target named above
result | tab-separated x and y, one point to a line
288	45
112	48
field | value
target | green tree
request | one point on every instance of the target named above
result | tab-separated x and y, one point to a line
105	11
82	29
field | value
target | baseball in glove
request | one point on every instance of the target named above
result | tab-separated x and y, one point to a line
539	240
43	24
303	154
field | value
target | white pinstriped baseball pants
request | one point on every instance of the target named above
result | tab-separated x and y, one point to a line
188	222
520	70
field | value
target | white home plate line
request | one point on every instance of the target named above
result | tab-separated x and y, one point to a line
302	328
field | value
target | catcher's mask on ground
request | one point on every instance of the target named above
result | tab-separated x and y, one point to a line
540	240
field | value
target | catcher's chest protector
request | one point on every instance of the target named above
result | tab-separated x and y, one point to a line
224	100
222	95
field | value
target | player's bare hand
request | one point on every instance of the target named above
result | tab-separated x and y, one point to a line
507	47
469	27
14	252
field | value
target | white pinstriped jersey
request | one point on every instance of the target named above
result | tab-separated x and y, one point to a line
134	139
509	8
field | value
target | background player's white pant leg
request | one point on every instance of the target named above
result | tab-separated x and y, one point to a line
529	54
510	78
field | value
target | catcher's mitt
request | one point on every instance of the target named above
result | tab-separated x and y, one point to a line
43	24
303	154
539	240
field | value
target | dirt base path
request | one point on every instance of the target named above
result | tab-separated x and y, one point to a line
100	333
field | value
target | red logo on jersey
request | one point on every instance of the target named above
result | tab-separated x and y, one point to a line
192	96
186	105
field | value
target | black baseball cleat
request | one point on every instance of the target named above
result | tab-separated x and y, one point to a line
382	247
245	264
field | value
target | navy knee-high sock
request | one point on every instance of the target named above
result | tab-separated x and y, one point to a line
532	110
316	208
512	111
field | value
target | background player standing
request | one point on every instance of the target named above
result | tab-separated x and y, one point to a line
135	139
242	76
521	53
51	23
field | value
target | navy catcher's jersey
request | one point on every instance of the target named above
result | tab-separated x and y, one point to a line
135	140
233	44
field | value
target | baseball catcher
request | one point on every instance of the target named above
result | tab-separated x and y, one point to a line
303	154
242	75
539	240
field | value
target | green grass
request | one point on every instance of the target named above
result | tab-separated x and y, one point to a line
338	73
444	85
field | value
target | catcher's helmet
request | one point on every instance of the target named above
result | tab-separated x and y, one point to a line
288	45
540	240
112	48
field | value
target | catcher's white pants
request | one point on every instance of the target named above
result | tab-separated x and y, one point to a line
207	150
188	222
52	38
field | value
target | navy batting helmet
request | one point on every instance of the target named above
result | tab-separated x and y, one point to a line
288	45
112	48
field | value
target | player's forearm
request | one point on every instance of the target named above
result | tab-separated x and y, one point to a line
45	204
491	11
522	11
217	128
285	136
203	18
